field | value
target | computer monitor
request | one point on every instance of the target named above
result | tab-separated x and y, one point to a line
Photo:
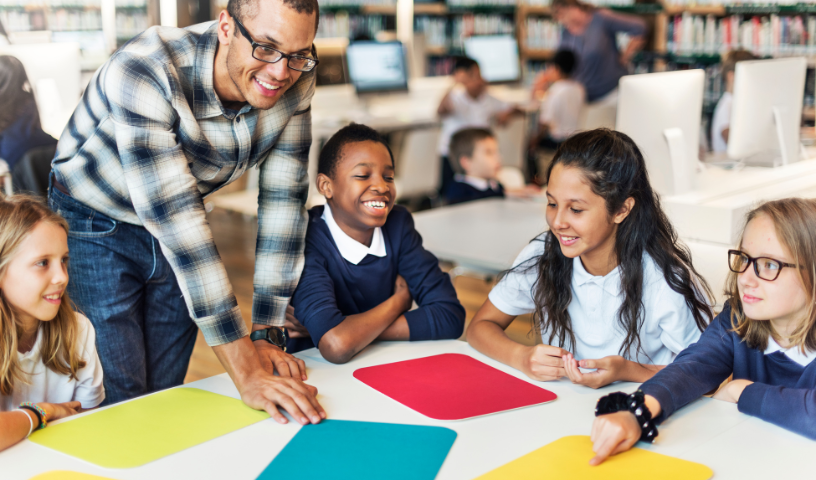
766	113
377	67
662	112
497	55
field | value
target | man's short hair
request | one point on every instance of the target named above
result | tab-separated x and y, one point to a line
731	59
332	151
463	143
242	9
565	61
464	63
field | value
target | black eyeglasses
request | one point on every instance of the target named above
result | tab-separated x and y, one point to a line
764	267
268	54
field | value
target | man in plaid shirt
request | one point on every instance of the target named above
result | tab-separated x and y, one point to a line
173	116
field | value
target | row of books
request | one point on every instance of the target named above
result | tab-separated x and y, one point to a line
599	3
542	33
130	24
342	24
766	35
34	4
435	30
55	20
480	24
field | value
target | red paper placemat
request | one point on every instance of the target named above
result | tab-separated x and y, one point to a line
452	386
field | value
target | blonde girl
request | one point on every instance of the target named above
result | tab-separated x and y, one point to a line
49	368
766	336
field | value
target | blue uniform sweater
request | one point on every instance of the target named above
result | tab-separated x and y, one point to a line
783	392
332	288
460	192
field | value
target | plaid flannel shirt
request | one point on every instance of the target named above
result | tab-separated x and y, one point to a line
150	139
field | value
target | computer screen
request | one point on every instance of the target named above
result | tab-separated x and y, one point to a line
377	67
497	55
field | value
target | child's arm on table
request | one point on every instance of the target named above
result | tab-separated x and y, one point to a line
697	370
14	427
486	334
356	332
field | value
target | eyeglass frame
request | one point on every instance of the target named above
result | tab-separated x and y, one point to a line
255	45
756	267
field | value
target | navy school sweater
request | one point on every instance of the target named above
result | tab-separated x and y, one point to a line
783	392
332	288
460	192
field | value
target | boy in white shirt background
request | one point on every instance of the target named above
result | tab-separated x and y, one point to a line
562	100
467	105
721	122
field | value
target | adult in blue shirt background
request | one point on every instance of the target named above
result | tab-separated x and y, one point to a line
591	34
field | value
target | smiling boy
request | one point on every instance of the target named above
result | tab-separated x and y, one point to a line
365	264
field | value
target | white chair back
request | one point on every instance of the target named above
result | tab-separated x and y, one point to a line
418	167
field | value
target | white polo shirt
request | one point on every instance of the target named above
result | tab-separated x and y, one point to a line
668	325
468	112
46	385
350	249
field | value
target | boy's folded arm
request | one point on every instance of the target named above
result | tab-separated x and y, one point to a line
440	314
790	408
356	332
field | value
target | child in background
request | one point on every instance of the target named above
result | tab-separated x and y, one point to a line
563	100
466	105
721	121
365	264
476	151
765	336
48	356
607	284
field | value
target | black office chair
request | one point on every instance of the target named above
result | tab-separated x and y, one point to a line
30	173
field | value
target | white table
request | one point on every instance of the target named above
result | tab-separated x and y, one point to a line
708	431
486	235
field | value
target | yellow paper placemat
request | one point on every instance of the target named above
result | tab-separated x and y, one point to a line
568	458
148	428
66	475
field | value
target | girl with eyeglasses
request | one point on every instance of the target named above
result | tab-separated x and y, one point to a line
765	335
613	293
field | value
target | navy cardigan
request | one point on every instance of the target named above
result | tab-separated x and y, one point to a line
332	288
783	392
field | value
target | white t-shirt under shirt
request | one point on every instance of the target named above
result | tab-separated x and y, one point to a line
668	325
468	112
561	108
720	121
45	385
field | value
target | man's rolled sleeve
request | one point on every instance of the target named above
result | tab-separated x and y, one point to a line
284	186
165	194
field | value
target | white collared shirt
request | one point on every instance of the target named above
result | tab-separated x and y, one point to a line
794	353
352	250
478	183
668	325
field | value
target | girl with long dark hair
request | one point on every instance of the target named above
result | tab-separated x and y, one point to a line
609	284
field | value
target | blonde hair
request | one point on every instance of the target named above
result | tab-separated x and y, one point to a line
795	224
19	214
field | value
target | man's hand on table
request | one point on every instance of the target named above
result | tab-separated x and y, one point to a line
262	390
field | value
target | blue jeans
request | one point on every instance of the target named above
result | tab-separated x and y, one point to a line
122	282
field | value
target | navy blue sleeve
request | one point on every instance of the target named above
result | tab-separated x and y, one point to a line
314	300
440	315
791	408
697	370
616	22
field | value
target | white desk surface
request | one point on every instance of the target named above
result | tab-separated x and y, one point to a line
485	234
708	431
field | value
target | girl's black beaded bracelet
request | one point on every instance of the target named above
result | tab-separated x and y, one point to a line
635	403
